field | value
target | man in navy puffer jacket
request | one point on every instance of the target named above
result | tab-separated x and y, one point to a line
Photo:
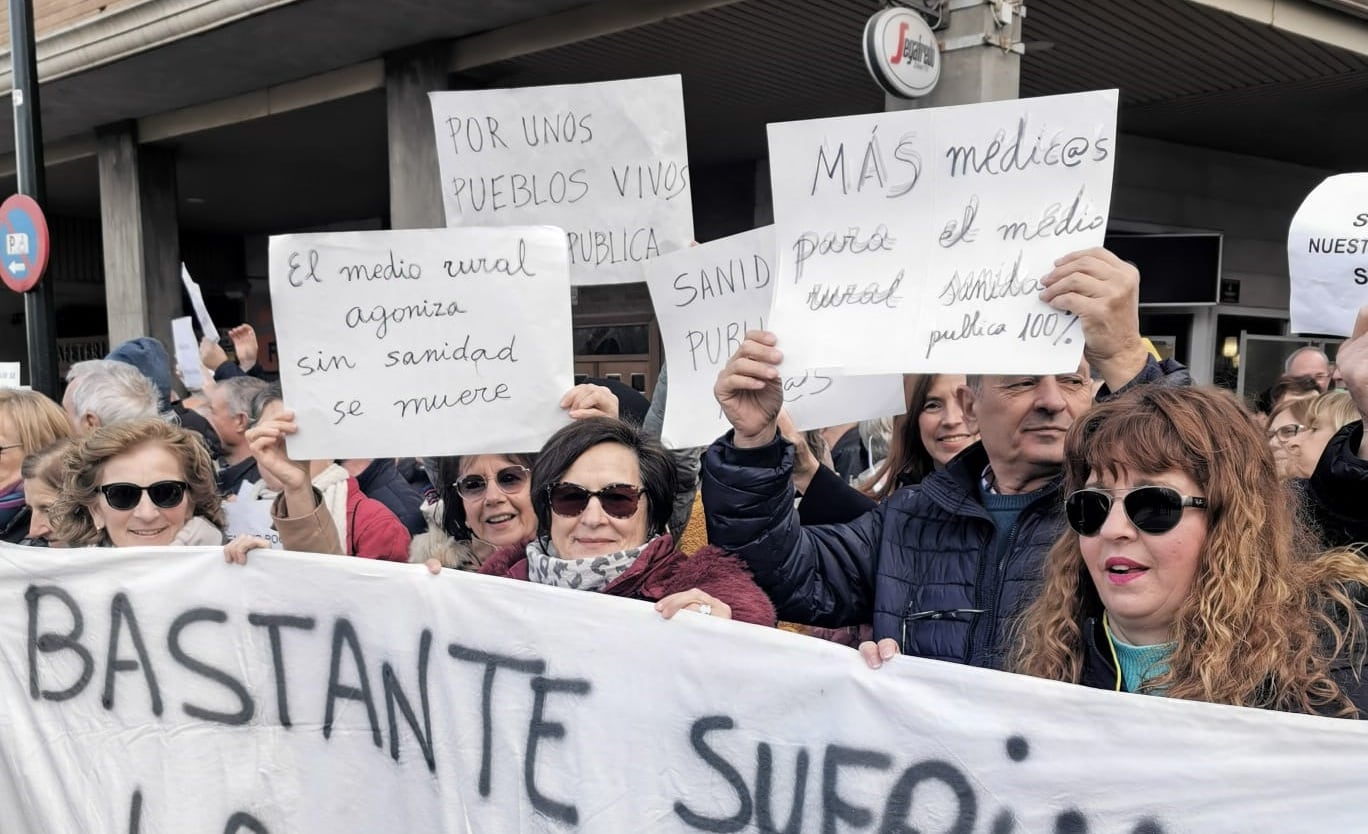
941	568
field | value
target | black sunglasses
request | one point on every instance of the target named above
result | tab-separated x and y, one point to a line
617	500
510	479
1152	509
165	494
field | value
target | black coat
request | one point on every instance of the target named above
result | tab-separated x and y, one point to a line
1335	497
383	482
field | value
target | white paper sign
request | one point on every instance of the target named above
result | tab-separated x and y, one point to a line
309	694
9	375
246	516
424	342
915	240
187	353
1327	256
706	298
607	162
197	304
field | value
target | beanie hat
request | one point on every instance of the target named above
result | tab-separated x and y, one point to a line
150	358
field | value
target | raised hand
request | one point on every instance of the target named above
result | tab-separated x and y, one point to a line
750	391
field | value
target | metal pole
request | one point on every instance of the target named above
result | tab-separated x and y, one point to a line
28	152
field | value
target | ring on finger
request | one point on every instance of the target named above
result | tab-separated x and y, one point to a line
705	608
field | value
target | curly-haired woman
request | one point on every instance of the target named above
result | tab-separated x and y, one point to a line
1185	573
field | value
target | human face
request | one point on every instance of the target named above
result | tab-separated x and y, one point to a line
1284	450
595	532
1310	445
12	453
1144	579
146	524
39	497
497	517
228	426
1022	421
941	421
1311	363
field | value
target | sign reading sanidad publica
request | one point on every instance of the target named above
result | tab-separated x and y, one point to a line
901	52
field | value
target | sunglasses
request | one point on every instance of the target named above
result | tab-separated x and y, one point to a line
510	479
1152	509
617	500
165	494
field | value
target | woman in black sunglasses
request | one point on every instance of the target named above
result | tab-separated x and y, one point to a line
143	483
1185	572
603	492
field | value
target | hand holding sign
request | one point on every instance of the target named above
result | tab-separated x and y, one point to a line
1103	293
749	390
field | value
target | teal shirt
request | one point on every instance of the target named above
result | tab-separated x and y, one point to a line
1140	663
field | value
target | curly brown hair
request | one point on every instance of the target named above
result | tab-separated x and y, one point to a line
84	462
1266	619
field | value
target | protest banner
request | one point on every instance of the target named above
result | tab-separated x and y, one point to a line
915	240
196	295
1327	256
424	342
706	297
607	162
162	690
187	353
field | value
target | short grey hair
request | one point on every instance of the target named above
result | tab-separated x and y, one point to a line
239	392
1292	357
115	392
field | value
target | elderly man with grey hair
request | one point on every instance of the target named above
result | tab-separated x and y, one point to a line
230	413
101	392
1310	361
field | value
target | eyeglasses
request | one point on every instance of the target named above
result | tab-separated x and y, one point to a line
1286	432
617	500
165	494
510	479
1152	509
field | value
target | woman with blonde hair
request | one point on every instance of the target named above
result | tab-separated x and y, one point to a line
1324	416
29	421
1185	573
141	483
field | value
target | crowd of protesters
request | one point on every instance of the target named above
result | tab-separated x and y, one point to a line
1115	526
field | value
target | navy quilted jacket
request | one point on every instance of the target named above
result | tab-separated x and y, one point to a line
922	566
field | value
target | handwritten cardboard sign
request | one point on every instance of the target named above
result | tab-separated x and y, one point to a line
162	690
706	298
915	240
430	342
1327	256
607	162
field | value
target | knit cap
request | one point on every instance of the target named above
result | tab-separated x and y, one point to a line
150	358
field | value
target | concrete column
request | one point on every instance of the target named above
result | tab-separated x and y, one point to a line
140	234
415	193
971	72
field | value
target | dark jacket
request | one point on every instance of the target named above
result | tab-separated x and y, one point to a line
231	478
923	564
1100	672
196	422
923	567
1336	494
382	481
662	570
831	500
16	532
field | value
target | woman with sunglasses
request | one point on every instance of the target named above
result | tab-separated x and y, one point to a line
1185	573
141	483
602	493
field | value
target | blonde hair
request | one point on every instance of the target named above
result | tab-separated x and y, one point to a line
85	461
1335	408
1265	620
38	421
